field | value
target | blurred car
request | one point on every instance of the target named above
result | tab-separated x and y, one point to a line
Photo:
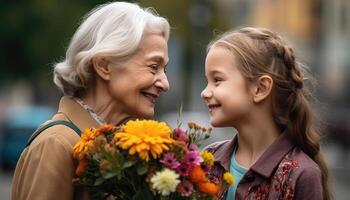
18	126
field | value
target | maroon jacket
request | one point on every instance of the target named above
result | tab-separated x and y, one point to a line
282	172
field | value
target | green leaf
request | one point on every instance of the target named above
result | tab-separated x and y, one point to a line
106	154
109	175
179	122
142	169
129	163
143	195
99	181
138	196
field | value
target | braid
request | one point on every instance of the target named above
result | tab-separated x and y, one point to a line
286	53
301	128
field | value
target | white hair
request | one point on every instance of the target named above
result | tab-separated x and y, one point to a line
112	30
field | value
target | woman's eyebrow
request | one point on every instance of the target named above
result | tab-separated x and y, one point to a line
159	59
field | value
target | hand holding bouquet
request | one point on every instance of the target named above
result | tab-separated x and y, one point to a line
145	159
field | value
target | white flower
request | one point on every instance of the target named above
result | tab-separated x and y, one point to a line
165	181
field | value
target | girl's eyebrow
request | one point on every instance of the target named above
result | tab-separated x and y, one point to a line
215	72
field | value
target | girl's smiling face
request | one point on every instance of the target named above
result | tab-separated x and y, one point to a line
227	93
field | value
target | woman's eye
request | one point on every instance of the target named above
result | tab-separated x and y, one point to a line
154	67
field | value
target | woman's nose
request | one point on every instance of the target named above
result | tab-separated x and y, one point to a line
162	82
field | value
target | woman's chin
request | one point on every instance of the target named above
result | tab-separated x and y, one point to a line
146	113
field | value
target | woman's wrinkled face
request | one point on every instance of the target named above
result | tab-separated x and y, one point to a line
137	84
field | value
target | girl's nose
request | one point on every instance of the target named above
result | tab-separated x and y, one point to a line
206	94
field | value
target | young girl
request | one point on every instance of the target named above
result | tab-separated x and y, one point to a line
256	85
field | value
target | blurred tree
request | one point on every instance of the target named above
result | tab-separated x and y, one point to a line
34	34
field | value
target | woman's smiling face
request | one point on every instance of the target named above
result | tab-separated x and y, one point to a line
136	85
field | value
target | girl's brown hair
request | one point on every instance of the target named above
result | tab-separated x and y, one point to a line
262	52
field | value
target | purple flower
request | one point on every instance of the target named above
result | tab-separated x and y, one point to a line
183	169
185	188
192	147
192	158
170	161
180	135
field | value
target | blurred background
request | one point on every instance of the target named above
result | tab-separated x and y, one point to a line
34	35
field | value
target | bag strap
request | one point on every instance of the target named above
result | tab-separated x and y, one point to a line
50	124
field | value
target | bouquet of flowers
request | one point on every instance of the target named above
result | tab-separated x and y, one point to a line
145	159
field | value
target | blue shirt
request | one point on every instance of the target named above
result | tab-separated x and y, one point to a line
238	172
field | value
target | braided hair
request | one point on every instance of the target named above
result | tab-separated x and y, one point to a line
262	52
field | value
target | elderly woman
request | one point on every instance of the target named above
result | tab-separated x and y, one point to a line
114	69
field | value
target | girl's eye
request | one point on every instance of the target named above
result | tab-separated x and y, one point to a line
216	80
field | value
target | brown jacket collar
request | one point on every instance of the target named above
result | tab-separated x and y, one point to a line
76	114
266	164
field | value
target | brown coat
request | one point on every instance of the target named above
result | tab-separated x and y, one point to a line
46	168
283	172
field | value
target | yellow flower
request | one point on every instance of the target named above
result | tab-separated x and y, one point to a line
208	158
145	137
81	148
165	181
229	179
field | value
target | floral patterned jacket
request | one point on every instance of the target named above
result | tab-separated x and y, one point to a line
282	172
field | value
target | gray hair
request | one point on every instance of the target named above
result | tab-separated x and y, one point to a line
112	30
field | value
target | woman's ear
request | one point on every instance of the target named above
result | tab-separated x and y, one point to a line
262	89
102	67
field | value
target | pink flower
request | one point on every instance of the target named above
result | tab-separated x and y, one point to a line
180	135
192	158
170	161
183	169
185	188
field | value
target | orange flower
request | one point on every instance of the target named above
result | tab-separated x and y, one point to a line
81	148
209	188
81	168
105	128
86	144
197	174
